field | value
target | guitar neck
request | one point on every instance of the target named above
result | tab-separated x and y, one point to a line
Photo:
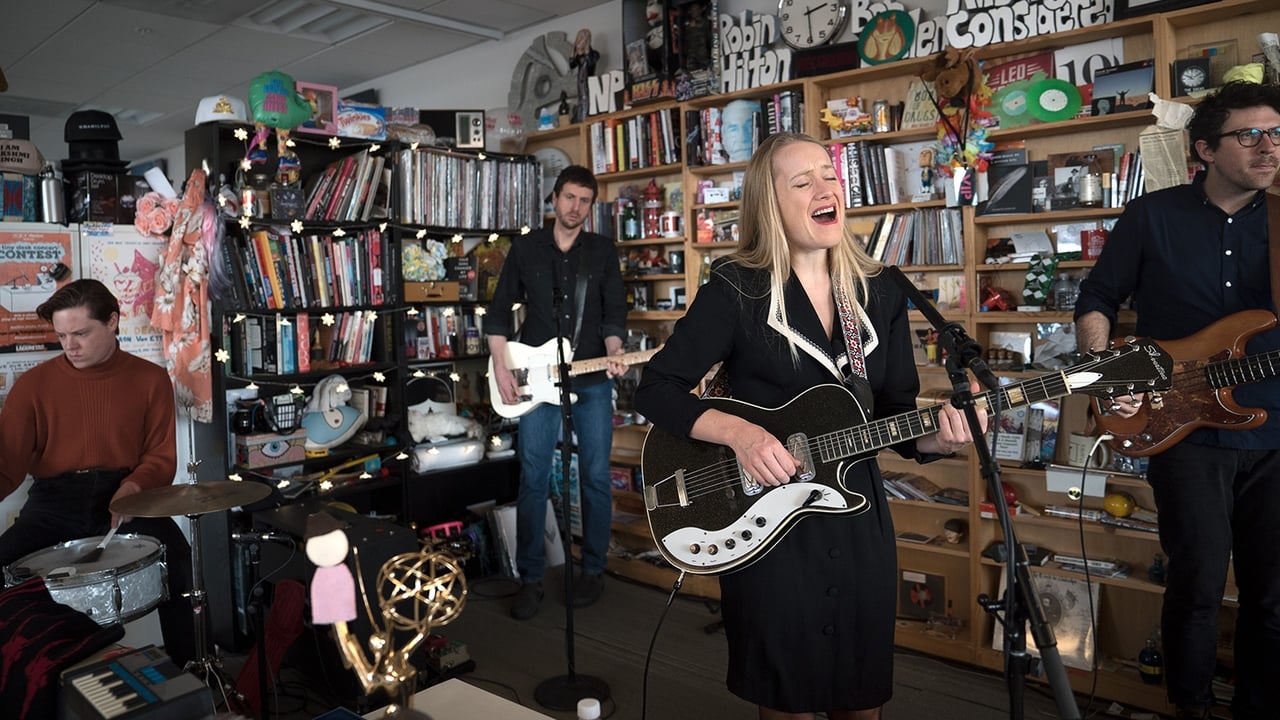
582	367
918	423
1251	368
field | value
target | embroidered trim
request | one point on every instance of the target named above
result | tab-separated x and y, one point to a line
852	337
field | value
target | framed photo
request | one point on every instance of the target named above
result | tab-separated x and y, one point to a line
1130	84
1134	8
324	106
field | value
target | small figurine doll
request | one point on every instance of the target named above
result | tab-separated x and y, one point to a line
584	60
333	592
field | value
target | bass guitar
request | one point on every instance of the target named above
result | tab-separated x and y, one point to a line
1206	366
537	373
709	516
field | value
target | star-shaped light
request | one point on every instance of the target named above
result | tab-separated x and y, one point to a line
413	145
495	441
341	388
296	226
419	374
282	321
481	156
480	311
411	312
401	455
326	485
370	314
251	386
457	237
244	222
455	376
241	134
420	234
222	355
382	227
222	200
234	478
339	233
379	377
365	476
374	148
246	165
493	237
334	143
290	143
238	318
525	230
448	311
327	319
296	390
282	484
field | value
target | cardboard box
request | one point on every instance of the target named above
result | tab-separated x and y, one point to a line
262	449
434	291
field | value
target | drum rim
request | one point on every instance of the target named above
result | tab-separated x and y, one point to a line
156	554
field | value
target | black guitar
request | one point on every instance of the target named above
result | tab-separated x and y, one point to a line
708	516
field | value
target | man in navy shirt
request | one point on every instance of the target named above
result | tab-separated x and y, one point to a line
1188	256
565	271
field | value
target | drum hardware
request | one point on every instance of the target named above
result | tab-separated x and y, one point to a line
194	499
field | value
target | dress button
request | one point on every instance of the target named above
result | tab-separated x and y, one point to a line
1228	252
1228	283
828	629
1230	220
834	552
833	591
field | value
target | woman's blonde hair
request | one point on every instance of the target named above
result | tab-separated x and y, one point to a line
763	238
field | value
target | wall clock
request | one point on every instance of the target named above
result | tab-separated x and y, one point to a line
1190	75
810	23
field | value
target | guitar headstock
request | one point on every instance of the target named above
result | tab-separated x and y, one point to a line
1135	365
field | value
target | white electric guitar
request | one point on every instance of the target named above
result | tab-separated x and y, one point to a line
536	370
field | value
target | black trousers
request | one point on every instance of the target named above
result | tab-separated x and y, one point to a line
74	507
1218	505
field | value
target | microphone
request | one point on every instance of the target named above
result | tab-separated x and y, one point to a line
252	537
967	352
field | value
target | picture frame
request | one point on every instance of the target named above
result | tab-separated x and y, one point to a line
1130	84
324	108
1134	8
1222	57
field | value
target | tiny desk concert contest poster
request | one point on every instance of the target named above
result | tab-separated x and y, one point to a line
35	260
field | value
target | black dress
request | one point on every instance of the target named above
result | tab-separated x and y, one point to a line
810	623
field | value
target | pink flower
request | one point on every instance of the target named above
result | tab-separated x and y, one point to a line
147	202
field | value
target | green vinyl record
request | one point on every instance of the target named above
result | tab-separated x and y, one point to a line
1011	104
1052	100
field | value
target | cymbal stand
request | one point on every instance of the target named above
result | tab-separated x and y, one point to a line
206	664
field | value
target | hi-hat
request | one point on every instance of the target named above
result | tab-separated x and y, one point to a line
190	498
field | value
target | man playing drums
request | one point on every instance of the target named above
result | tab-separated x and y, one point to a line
93	425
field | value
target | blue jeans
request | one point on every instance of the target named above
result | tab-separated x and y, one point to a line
539	430
1217	504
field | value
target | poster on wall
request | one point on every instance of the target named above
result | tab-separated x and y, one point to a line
127	261
14	364
35	260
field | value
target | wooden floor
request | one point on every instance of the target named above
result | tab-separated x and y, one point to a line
611	641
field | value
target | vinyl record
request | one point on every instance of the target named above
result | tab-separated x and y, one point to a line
1010	105
1052	100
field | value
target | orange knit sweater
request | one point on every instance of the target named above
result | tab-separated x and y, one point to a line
119	414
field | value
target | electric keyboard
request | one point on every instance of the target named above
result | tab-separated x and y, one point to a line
140	685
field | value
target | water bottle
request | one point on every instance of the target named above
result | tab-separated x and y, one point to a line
1064	293
53	207
588	709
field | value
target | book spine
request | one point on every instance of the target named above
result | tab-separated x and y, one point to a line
302	327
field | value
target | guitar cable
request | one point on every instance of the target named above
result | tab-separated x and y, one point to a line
648	656
1077	494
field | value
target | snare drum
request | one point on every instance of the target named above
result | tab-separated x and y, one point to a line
124	583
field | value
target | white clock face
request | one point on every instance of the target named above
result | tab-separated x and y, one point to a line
810	23
1193	78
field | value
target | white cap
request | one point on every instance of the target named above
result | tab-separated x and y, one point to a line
588	709
221	107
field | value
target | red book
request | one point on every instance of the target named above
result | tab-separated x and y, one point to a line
302	326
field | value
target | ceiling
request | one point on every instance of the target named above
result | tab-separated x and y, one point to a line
149	62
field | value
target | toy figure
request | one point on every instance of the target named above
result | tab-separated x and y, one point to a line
275	103
926	171
333	590
584	60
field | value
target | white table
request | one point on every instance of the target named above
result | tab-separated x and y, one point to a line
457	700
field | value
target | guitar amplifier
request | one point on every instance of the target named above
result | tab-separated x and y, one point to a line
140	685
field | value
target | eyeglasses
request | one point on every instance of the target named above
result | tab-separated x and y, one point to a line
1248	137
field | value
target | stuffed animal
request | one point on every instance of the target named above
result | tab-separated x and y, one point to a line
962	98
426	425
329	421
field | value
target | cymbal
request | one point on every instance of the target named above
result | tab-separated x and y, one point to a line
190	499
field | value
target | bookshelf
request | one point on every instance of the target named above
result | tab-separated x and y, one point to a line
1128	607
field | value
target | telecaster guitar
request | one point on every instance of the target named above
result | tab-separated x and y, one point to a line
536	370
1206	366
708	516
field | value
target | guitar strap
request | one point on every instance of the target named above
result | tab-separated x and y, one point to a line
580	293
852	337
1273	247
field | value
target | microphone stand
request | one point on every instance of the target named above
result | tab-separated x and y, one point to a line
563	692
1021	603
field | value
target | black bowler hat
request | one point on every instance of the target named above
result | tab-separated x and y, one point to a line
92	138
